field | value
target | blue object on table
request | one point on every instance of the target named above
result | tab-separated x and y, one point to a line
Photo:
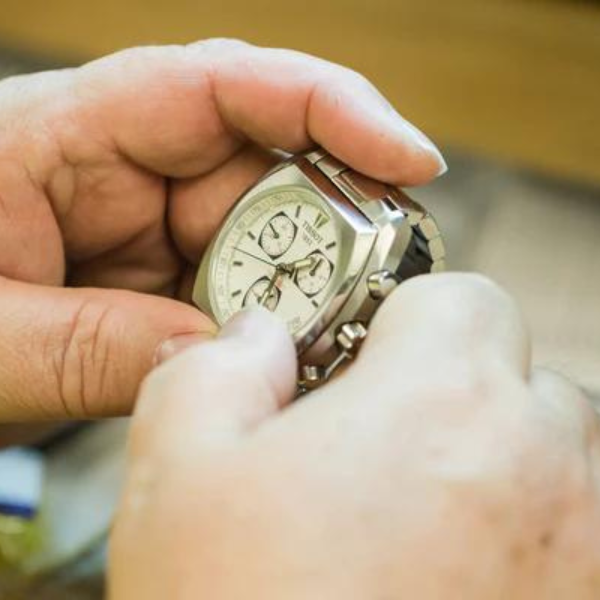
21	479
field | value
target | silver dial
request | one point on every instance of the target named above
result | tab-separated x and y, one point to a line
293	274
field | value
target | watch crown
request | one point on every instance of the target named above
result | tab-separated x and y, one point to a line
311	376
381	283
351	335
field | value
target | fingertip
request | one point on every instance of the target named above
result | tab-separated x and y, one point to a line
354	122
253	322
272	344
214	392
179	343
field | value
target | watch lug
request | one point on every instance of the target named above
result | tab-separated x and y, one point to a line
350	337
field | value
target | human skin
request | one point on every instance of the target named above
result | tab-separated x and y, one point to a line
115	175
439	465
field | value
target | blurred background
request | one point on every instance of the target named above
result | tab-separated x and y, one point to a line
509	88
516	80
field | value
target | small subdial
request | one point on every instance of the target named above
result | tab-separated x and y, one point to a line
311	280
277	235
256	295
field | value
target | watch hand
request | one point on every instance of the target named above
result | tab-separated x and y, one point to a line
284	269
298	264
275	233
316	266
273	281
256	257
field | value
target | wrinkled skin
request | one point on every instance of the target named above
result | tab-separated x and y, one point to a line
113	178
439	465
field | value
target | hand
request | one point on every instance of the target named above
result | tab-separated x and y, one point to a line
114	177
439	465
273	283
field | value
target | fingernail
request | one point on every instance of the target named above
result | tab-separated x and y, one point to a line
424	142
178	343
392	121
418	138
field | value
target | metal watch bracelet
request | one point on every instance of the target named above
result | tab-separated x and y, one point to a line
425	252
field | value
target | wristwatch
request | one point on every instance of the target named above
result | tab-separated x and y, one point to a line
321	246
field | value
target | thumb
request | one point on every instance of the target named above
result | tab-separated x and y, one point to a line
217	390
81	353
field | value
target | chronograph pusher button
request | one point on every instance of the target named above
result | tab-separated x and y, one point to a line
312	376
350	336
381	284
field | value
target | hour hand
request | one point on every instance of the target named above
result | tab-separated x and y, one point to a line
303	263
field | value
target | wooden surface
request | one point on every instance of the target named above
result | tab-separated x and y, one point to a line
517	80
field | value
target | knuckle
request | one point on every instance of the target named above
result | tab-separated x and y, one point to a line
514	465
472	289
217	44
83	364
465	391
468	300
568	404
469	384
481	291
163	56
359	80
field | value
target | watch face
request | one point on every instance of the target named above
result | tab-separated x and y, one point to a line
279	250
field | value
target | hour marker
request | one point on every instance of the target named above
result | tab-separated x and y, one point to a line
237	263
330	246
315	303
320	220
236	293
251	235
298	210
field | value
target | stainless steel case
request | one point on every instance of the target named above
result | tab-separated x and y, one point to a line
375	234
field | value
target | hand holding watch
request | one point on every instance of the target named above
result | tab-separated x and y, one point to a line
320	245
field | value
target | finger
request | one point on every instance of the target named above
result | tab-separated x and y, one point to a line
198	205
67	353
181	111
216	391
564	408
448	328
566	426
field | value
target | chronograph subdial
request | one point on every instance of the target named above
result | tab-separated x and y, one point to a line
255	295
311	280
278	235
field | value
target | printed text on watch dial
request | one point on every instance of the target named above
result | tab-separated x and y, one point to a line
280	253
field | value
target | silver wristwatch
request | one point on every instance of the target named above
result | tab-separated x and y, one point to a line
321	246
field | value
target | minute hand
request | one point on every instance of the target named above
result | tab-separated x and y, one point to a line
255	257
